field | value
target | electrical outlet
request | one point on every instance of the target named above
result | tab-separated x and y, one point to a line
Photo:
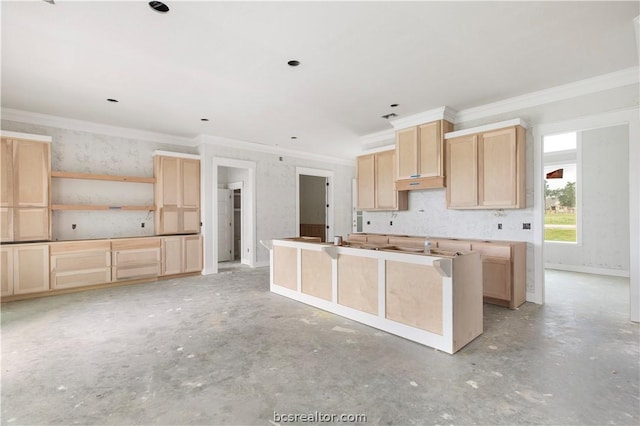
142	225
526	226
390	223
73	226
499	226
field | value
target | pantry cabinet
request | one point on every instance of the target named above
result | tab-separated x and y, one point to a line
486	170
177	195
24	189
181	254
420	156
375	176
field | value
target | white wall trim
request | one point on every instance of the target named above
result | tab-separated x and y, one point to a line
29	136
487	128
256	147
379	149
91	127
440	113
587	86
587	270
385	136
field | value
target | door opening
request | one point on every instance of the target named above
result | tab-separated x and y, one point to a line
314	203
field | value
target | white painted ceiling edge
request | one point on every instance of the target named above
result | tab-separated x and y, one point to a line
369	143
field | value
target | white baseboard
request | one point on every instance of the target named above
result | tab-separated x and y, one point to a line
587	270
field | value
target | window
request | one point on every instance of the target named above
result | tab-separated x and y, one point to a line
561	171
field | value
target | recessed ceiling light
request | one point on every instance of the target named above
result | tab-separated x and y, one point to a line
158	6
112	100
294	137
394	105
204	119
390	115
50	1
293	63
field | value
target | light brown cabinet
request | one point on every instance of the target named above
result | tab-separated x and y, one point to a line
420	156
181	254
177	195
25	269
24	190
375	176
135	258
80	263
486	170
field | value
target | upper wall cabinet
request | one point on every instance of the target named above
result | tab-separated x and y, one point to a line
486	169
420	156
177	195
375	175
24	189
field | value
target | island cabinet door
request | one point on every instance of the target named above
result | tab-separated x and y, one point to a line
285	267
316	274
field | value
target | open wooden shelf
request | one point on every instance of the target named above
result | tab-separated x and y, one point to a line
99	207
72	175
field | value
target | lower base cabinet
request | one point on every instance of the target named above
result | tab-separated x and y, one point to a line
24	269
135	258
181	254
78	264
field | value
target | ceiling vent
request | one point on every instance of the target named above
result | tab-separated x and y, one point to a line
158	6
390	115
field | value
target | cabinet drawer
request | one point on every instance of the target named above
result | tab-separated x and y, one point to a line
133	272
420	183
136	257
78	279
80	261
493	250
80	246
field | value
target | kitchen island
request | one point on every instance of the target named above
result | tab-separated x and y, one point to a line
435	300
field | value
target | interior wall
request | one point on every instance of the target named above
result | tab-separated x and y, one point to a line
276	191
312	199
605	207
86	152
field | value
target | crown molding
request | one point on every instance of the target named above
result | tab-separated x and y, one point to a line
600	83
257	147
88	126
29	136
161	153
440	113
486	128
385	136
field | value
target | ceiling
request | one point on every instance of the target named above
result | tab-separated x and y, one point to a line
227	62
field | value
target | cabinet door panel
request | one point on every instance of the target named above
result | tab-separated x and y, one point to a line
6	270
496	277
462	172
407	153
169	222
31	173
430	150
386	195
6	224
192	254
135	272
169	181
171	255
365	176
6	173
81	278
30	269
497	168
190	183
190	220
31	224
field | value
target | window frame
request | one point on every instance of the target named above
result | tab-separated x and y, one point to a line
563	158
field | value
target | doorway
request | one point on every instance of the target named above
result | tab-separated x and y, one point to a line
585	204
314	203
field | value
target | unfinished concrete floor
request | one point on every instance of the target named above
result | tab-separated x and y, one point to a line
223	350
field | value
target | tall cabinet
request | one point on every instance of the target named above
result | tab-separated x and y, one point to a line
25	166
177	194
